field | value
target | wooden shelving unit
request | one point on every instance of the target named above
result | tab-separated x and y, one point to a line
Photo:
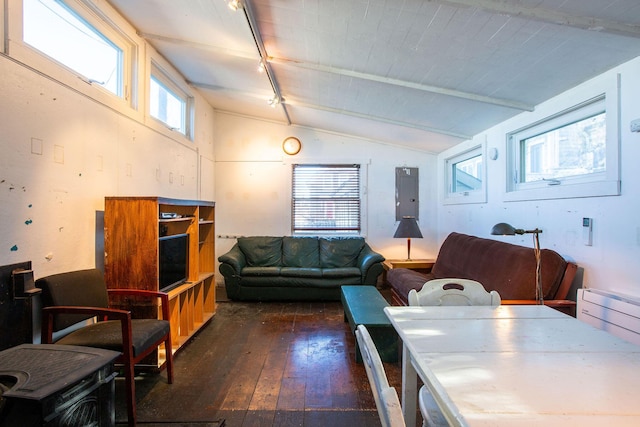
133	227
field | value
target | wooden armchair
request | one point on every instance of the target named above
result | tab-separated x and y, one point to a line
77	296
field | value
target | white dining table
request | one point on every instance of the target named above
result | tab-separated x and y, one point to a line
516	366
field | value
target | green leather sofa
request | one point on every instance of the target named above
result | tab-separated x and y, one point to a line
265	268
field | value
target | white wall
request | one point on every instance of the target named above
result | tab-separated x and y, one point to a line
253	182
62	153
612	263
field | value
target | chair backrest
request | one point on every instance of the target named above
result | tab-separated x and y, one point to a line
453	292
386	397
81	288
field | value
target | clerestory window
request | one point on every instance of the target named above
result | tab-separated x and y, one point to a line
570	154
64	34
465	177
168	103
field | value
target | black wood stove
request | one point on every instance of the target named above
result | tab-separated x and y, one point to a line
56	385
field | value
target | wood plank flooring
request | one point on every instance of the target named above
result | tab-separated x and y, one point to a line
263	364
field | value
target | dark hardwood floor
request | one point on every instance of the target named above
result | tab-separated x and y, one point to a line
263	364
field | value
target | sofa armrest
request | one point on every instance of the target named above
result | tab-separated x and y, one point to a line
235	259
367	259
567	280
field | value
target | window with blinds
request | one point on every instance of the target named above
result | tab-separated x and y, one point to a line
326	198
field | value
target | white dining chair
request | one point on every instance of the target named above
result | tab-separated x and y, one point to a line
385	396
450	291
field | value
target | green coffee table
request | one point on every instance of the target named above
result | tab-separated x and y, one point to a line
363	305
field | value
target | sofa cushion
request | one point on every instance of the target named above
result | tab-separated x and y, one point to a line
300	252
261	271
300	272
402	280
340	251
261	251
341	272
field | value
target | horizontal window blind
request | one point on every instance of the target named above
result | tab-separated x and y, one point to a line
326	198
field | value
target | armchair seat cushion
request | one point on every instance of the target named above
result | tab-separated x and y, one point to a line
108	335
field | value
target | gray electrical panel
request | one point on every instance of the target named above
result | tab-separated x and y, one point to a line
407	200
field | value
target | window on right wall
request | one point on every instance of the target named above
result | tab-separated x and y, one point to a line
571	154
465	177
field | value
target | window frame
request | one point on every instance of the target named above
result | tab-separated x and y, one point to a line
361	197
3	27
102	22
173	82
464	197
606	183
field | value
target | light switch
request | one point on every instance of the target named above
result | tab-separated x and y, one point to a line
587	231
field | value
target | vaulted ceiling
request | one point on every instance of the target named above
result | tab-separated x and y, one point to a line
426	74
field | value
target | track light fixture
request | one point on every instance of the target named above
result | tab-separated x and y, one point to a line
274	101
234	4
261	66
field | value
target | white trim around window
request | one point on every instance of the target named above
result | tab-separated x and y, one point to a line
465	177
103	21
173	82
3	28
594	184
364	177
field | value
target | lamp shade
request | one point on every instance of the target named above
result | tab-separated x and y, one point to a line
408	227
503	229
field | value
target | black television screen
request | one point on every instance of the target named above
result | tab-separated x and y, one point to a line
174	261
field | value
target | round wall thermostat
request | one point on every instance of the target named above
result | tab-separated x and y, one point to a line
493	153
291	145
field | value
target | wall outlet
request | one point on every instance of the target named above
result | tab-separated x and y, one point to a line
635	125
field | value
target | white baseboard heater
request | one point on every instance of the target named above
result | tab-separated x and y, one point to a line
614	313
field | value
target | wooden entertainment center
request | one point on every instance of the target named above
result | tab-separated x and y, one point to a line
133	227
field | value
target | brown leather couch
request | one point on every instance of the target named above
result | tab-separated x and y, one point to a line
506	268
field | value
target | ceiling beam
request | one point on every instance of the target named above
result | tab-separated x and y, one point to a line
203	46
334	70
296	103
555	17
217	88
402	83
253	26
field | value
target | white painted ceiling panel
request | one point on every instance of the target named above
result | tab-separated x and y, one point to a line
423	74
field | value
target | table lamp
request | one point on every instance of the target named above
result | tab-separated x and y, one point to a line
408	228
508	230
